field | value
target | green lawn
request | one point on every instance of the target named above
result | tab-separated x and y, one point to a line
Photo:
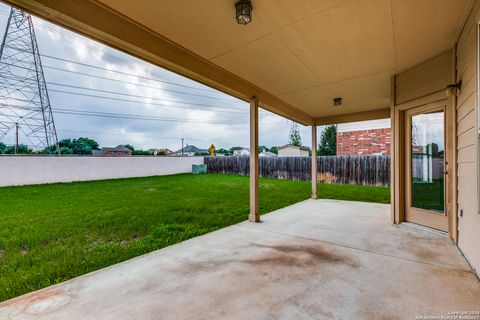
429	195
51	233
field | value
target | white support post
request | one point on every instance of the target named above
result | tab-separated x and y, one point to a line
314	162
254	215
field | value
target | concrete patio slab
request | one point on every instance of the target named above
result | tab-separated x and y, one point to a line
318	259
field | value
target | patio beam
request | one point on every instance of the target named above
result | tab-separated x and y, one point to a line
352	117
254	215
314	162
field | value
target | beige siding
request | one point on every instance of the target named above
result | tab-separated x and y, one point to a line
466	139
467	123
467	107
424	79
467	168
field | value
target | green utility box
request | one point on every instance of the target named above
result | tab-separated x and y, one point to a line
199	168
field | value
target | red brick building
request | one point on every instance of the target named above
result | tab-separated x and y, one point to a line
364	138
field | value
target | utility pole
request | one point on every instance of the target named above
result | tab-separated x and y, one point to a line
16	137
182	147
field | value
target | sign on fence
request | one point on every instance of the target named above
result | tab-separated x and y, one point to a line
360	170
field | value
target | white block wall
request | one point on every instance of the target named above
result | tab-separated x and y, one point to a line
25	170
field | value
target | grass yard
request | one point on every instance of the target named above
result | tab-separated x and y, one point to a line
429	195
51	233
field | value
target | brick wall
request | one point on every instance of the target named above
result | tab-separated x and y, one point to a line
374	141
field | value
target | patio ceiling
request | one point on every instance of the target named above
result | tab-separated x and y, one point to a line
296	56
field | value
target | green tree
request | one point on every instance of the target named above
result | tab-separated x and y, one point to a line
66	150
141	152
84	145
9	150
3	146
65	145
22	149
81	145
223	151
262	147
274	149
295	138
129	146
328	141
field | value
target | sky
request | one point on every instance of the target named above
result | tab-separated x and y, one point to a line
197	113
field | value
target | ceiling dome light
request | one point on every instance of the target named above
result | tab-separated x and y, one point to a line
243	10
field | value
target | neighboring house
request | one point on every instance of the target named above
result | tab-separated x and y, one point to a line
164	151
293	151
364	138
118	151
241	152
267	154
190	151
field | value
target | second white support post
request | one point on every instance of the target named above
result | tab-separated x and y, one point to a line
314	162
254	215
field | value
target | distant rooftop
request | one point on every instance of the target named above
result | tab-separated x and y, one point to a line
192	148
295	147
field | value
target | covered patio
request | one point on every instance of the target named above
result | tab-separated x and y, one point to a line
316	63
317	259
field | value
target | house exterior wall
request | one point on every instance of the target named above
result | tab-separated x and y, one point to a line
292	152
467	143
241	152
25	170
423	88
117	154
423	85
363	142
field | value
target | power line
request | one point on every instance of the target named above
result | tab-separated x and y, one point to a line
132	134
120	72
122	116
135	116
141	84
138	117
210	107
132	101
131	83
231	100
168	106
139	96
49	28
150	118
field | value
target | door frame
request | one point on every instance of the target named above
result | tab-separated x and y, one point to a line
420	216
398	160
416	77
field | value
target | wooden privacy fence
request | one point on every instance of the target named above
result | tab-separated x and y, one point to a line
360	170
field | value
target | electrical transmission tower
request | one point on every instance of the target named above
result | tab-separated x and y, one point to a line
24	103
